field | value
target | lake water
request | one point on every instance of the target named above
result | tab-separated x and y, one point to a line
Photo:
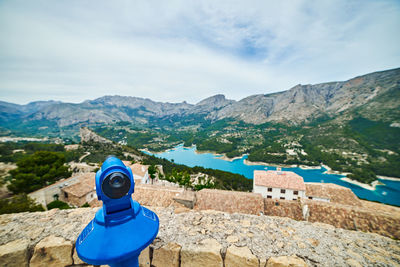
388	193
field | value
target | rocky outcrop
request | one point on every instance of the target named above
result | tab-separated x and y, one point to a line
200	238
303	103
88	136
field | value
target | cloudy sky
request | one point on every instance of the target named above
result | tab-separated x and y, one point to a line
188	50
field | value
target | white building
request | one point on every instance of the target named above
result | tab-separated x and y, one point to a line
140	172
279	185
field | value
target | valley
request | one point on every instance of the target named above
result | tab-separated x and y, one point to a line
350	126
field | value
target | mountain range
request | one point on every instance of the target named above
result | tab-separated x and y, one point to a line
376	95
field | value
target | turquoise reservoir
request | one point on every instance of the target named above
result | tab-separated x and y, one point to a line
388	193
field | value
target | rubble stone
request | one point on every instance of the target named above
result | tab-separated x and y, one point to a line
144	258
52	251
14	253
166	256
286	261
240	256
206	253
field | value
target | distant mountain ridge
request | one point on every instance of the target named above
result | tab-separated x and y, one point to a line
374	94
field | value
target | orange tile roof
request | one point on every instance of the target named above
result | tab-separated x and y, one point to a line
86	184
139	169
334	192
285	180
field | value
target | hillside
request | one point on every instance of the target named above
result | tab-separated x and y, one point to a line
351	126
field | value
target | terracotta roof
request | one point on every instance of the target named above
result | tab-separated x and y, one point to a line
283	179
229	201
86	184
139	169
127	163
334	192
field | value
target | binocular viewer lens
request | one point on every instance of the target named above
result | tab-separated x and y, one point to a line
116	185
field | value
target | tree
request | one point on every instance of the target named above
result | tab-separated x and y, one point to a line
38	170
152	172
19	203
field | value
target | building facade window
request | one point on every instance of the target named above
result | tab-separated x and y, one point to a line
269	189
309	197
283	191
65	195
282	198
269	196
295	192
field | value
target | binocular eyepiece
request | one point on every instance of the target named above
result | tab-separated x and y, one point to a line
116	185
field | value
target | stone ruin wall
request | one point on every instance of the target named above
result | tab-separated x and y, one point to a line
283	208
199	238
369	217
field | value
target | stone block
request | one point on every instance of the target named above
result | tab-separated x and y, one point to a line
286	261
206	253
166	256
144	258
240	256
76	258
52	251
14	253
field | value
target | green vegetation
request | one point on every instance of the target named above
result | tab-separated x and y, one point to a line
57	204
18	203
152	172
15	151
223	180
38	170
354	145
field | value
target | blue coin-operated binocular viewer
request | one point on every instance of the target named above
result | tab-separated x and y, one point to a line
122	228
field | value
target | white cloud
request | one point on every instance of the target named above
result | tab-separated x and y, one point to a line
181	50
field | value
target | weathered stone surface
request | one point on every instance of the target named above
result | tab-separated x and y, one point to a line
52	251
240	256
286	261
229	201
76	258
353	263
232	239
265	236
14	253
377	219
206	253
166	256
283	208
144	258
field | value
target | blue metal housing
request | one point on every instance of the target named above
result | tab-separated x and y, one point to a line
121	229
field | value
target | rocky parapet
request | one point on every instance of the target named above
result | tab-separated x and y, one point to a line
195	238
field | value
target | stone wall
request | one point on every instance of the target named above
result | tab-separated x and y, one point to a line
355	218
156	195
199	238
229	201
283	208
368	217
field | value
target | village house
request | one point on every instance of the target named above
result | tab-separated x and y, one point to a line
51	192
279	184
81	192
140	172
